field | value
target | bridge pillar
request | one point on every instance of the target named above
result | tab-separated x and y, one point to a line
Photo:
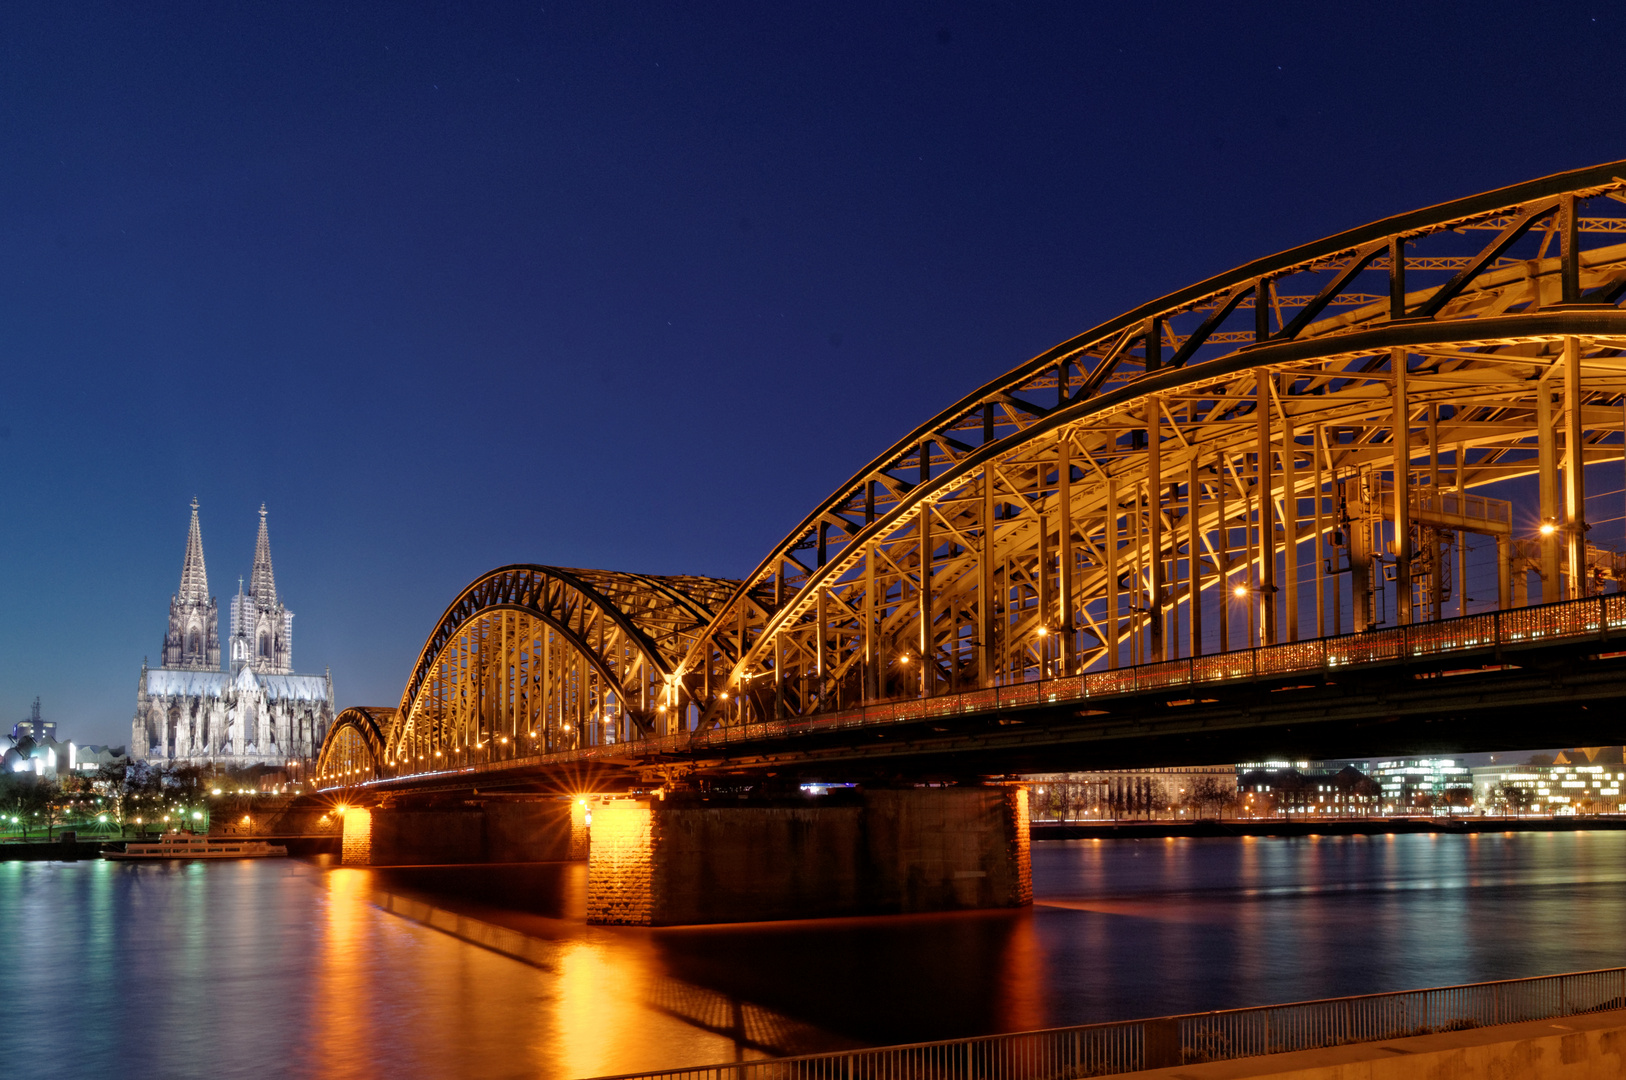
687	860
492	831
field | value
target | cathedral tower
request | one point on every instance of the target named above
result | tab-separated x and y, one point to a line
262	630
193	641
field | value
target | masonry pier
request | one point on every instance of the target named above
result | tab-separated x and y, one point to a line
664	862
470	830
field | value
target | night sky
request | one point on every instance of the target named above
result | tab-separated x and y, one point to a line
449	286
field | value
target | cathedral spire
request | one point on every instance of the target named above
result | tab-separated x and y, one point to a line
262	584
194	578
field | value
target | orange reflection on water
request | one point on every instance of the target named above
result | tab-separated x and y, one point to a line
342	1002
1023	985
420	990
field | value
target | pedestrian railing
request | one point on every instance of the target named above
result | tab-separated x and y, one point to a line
1133	1045
1565	621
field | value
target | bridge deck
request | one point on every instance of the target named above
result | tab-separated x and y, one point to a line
1204	708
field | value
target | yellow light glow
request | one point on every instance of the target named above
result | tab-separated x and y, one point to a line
1043	631
1548	528
1240	590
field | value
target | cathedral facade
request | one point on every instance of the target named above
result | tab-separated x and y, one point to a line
253	711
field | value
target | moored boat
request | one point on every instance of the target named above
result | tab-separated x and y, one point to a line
198	847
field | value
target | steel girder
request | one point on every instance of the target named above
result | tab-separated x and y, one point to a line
354	747
1063	517
1317	432
534	659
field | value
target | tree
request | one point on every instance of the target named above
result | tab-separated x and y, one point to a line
26	797
1516	798
1209	793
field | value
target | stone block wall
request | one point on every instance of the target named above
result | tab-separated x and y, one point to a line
358	837
494	831
273	815
620	887
915	849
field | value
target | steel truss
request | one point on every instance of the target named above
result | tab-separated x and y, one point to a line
533	660
1294	448
1065	517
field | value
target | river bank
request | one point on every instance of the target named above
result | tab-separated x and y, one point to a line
70	850
1106	830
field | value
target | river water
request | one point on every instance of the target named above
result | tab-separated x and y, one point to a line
295	968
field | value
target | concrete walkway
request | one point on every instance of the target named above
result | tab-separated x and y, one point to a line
1590	1047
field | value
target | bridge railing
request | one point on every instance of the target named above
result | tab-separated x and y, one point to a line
1592	617
1133	1045
1542	624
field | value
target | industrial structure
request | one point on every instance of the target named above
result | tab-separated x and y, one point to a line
1288	503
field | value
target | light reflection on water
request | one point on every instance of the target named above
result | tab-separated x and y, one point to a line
284	967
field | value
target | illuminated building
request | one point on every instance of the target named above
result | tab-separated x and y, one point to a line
1192	791
1423	784
1340	789
259	712
1582	781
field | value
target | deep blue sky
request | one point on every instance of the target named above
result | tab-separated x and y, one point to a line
451	286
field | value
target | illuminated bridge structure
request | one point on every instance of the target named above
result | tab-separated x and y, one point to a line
1239	519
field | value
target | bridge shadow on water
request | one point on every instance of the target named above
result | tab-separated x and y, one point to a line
773	988
1120	929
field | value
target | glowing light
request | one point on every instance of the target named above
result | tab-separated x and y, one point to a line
1240	590
102	818
214	791
1043	631
724	695
1548	528
904	659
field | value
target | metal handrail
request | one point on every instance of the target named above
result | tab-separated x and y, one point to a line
1591	617
1132	1045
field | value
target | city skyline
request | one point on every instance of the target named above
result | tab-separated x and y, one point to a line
613	275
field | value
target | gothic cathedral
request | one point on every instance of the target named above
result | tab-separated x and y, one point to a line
254	712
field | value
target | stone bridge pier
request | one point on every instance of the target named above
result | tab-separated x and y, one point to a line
687	858
495	830
682	859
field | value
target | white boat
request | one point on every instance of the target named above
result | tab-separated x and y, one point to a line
198	847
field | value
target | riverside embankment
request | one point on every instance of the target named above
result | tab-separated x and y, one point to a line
1105	830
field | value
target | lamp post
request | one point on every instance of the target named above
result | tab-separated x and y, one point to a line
1266	593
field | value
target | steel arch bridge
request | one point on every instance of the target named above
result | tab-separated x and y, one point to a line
533	660
1324	441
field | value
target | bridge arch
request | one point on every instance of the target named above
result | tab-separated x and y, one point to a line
1366	389
353	750
533	660
1308	444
